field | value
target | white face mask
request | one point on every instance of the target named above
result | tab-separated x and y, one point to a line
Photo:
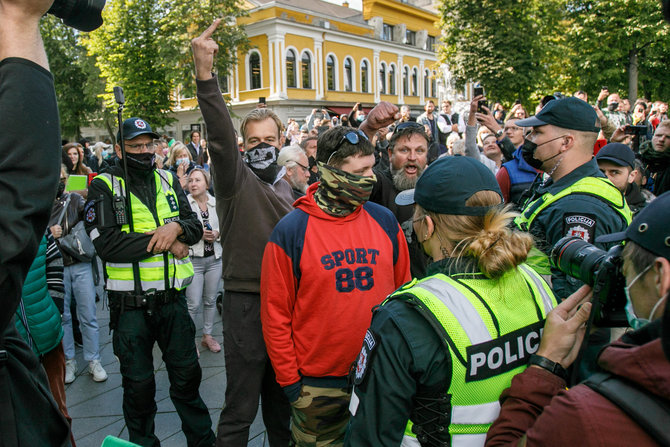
633	320
181	161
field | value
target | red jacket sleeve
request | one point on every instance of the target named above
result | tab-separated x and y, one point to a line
503	181
401	272
278	294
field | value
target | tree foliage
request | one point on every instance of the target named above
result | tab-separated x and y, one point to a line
529	48
144	47
608	34
76	78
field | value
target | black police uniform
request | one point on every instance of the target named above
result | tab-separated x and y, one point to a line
575	214
581	215
163	319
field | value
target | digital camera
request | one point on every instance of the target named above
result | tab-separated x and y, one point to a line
601	270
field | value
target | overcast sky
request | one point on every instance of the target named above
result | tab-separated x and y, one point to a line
356	4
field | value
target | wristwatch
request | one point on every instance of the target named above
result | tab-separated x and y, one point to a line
552	367
499	133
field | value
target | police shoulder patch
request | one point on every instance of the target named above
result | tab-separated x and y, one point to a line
89	211
370	343
580	225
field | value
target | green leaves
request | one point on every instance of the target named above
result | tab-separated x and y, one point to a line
527	49
144	47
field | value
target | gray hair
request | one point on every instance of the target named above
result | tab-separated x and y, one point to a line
288	156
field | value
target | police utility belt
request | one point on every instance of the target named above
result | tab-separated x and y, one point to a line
150	299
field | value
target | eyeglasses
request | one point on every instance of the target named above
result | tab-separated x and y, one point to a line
149	146
305	168
353	137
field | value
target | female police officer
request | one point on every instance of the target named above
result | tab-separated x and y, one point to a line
440	350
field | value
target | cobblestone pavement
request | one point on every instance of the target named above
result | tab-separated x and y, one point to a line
96	411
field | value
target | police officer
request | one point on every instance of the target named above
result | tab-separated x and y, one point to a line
440	350
147	270
576	200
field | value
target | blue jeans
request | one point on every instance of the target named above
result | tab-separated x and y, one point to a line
78	281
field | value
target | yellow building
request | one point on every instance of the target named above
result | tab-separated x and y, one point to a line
310	54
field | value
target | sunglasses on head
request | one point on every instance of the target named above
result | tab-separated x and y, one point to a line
409	125
353	137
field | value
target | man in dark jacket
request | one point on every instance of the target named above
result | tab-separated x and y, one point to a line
144	244
251	197
656	154
408	157
617	161
538	407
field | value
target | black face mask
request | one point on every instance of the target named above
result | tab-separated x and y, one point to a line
612	106
262	160
528	153
142	162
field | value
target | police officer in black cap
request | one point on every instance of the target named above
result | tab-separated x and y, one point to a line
144	243
577	199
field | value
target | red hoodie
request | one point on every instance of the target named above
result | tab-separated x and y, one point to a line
320	279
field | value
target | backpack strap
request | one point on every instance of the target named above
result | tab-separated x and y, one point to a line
649	411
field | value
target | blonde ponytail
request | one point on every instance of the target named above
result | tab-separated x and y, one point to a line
488	239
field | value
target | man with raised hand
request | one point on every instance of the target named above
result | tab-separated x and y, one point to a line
251	197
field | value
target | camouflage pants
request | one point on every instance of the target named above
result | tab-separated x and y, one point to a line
320	416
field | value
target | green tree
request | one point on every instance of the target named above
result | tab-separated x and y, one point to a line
621	44
75	77
498	43
144	47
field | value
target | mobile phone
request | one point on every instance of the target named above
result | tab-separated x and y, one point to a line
604	87
261	100
208	226
479	106
635	130
518	101
478	91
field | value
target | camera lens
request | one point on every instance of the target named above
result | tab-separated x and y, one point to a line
577	258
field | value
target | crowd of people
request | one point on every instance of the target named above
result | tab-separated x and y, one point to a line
386	278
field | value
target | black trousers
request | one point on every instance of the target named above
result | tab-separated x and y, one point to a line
249	375
172	328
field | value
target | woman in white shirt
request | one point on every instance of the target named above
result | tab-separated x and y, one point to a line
205	255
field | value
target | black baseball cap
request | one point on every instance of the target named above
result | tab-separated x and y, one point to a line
617	153
567	113
448	183
650	229
133	127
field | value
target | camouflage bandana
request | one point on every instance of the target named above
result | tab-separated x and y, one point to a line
340	193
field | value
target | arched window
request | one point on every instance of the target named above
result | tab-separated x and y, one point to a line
255	70
364	76
306	70
426	83
330	72
392	82
415	82
382	78
433	85
405	81
290	69
348	75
